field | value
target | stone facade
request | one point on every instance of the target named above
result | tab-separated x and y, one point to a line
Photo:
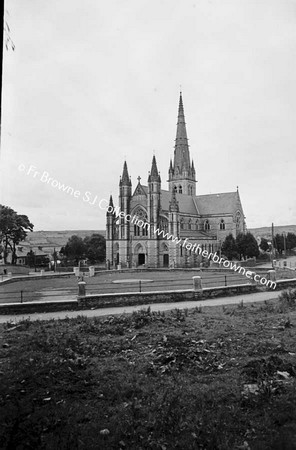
202	219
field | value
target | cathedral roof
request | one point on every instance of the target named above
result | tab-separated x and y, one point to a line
204	205
224	203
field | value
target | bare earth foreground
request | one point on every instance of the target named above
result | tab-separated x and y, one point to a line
209	378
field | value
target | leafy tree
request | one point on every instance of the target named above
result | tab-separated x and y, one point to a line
279	243
247	245
74	249
31	259
291	241
264	244
13	229
95	247
229	247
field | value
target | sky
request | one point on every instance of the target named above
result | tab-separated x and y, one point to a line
93	83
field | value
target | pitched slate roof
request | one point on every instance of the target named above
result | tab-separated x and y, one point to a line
222	203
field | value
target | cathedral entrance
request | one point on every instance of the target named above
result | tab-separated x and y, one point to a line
141	259
165	260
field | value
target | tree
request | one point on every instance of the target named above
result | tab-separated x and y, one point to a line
95	248
31	258
279	242
74	249
13	229
264	245
291	241
229	247
247	245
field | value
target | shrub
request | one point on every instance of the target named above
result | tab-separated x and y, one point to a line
288	297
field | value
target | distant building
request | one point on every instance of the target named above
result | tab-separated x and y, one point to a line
202	219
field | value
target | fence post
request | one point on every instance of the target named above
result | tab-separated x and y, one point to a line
271	275
140	285
253	281
21	296
197	283
81	288
225	281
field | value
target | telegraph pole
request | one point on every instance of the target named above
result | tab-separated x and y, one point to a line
272	244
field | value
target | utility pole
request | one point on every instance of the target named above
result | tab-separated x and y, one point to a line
54	260
272	244
284	236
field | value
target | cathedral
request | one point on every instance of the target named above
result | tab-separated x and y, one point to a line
199	219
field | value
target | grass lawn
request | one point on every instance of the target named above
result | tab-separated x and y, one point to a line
211	378
66	287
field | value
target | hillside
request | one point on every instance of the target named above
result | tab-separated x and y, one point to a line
51	239
266	231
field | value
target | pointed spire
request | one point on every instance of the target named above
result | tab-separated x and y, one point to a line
125	179
154	171
154	174
111	204
111	201
181	154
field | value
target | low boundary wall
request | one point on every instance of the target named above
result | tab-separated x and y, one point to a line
95	301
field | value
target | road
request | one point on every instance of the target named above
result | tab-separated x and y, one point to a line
246	298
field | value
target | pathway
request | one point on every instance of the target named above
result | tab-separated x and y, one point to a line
246	298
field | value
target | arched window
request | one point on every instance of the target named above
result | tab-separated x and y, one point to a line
189	224
237	220
182	224
164	225
222	225
206	225
197	224
190	190
136	230
175	189
180	189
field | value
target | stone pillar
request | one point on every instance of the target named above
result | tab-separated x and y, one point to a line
197	283
81	288
252	278
271	275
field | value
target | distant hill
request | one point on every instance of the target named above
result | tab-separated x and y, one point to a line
48	240
266	231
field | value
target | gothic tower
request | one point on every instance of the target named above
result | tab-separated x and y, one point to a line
110	232
181	171
125	193
153	210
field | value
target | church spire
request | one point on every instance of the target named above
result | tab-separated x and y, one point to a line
125	179
182	172
111	204
154	174
181	155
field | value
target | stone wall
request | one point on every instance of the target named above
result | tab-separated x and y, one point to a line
142	298
134	298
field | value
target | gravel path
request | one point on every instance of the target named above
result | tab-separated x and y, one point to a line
246	298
